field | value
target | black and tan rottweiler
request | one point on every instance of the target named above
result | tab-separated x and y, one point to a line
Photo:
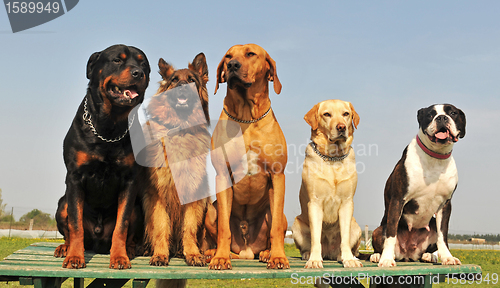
99	211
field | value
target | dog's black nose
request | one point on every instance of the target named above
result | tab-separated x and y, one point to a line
233	65
137	73
441	119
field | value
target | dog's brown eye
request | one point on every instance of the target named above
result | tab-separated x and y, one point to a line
326	114
190	79
228	56
346	114
175	79
117	60
250	54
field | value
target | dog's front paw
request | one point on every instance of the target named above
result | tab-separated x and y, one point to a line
278	263
61	250
209	254
429	258
220	263
159	260
264	256
306	255
74	262
312	263
450	261
375	258
387	263
119	262
352	263
195	260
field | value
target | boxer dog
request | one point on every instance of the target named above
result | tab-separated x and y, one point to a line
418	192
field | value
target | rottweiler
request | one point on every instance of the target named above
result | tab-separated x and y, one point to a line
99	211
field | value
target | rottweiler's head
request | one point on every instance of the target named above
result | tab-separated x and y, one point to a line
119	74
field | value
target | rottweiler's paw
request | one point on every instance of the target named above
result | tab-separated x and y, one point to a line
61	250
278	263
264	256
195	260
74	262
159	260
220	263
120	262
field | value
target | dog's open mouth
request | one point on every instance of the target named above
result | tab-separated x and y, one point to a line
182	102
443	136
127	93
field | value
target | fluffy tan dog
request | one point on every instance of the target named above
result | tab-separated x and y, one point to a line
172	228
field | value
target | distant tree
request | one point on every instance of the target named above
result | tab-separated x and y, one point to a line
39	217
2	205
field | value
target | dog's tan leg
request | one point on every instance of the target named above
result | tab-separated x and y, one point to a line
302	237
315	225
345	220
278	258
221	260
193	218
158	230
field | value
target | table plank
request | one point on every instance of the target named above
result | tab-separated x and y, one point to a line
37	260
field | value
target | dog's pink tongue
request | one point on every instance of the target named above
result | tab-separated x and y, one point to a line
441	135
130	93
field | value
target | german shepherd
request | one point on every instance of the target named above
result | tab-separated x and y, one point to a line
174	211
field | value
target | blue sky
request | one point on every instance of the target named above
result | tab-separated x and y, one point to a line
389	58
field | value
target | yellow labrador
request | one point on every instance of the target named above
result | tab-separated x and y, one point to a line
326	229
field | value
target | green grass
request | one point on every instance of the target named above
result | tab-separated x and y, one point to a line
488	260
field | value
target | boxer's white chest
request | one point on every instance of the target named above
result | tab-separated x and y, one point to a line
431	182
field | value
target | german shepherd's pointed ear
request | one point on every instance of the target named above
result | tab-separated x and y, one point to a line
220	75
200	66
166	70
311	117
355	116
91	63
272	74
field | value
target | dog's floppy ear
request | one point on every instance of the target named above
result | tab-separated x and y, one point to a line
421	116
355	116
311	117
166	70
200	66
220	75
91	63
273	75
461	123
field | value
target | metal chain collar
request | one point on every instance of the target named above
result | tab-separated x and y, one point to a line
328	158
88	119
246	121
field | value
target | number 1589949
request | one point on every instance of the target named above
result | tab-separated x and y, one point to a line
32	7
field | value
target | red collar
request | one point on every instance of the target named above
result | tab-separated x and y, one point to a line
432	153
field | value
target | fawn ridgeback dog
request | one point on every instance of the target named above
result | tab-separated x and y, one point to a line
249	218
326	228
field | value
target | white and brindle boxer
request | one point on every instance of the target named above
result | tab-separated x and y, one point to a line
418	192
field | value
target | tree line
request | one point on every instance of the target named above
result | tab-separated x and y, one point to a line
41	220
